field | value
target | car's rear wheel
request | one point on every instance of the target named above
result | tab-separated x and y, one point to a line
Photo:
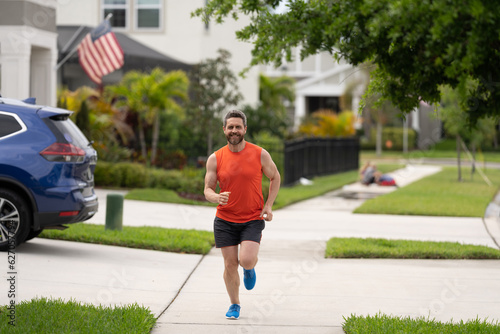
15	219
33	234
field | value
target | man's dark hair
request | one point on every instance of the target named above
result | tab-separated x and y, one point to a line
235	114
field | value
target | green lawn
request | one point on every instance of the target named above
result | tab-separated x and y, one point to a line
382	323
56	316
145	237
162	195
481	157
320	186
405	249
439	195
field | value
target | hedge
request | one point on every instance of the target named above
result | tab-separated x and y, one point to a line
134	175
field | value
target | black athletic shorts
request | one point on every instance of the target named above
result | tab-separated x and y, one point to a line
232	234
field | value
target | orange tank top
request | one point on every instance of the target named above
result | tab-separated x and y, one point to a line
241	174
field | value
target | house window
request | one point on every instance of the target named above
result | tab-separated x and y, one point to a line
315	103
119	10
145	14
148	13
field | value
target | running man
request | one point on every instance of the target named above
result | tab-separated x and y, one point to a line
241	213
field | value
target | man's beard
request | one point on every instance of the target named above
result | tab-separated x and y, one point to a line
234	139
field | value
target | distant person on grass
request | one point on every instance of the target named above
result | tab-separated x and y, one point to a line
241	213
369	174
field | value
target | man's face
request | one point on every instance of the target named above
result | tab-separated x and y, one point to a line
235	130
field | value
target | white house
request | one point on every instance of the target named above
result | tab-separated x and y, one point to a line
28	49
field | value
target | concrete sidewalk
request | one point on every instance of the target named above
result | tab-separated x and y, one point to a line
297	291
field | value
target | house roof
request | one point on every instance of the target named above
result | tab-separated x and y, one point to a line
137	55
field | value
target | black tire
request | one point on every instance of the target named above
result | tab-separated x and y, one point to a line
15	219
33	234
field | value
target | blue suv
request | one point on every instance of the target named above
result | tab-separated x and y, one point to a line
46	171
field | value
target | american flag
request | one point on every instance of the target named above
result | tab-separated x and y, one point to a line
100	53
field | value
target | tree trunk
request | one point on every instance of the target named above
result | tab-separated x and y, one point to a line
495	139
458	159
156	136
405	134
379	139
209	143
473	169
142	141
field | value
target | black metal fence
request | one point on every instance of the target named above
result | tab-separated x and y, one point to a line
319	156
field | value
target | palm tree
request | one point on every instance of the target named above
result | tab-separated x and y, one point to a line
129	96
104	121
275	91
149	95
165	92
275	94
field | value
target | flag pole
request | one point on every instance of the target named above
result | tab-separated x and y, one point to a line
75	35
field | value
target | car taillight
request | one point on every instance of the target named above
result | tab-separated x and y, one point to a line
60	152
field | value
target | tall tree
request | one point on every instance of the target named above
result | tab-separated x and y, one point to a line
213	88
454	119
418	45
165	91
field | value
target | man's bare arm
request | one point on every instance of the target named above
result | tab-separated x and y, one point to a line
211	183
269	169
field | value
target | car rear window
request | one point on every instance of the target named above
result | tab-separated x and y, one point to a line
66	131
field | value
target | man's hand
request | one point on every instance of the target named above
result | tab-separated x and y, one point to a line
223	198
267	214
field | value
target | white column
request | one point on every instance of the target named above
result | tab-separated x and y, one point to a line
416	119
15	59
355	101
43	76
300	110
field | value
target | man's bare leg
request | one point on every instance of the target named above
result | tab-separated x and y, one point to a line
249	254
231	276
248	259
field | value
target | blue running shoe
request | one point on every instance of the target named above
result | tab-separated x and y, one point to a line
249	278
234	312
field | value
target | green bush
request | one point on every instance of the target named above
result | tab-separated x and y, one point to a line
165	179
106	175
192	185
133	175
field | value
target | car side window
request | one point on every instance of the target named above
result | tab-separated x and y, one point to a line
10	125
